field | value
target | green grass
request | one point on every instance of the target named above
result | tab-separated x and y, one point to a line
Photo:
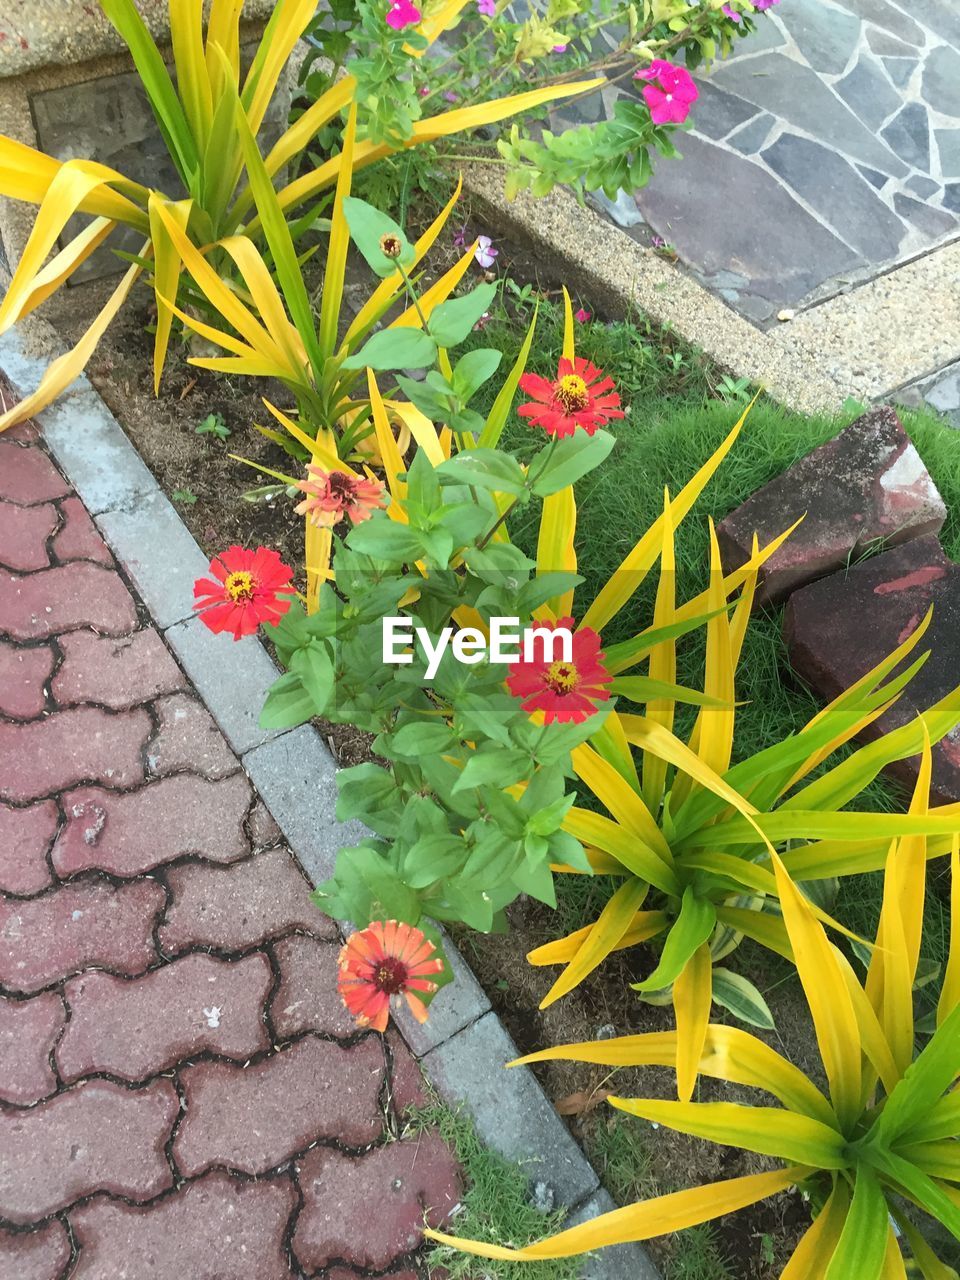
495	1207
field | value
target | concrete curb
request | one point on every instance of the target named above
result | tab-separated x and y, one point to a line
463	1047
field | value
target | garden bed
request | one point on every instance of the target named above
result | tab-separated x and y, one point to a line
675	419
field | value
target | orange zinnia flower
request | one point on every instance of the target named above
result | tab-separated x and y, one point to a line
331	495
384	960
580	396
247	588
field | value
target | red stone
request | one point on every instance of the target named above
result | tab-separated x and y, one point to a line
131	832
28	1032
217	1228
840	628
64	598
98	1136
23	674
406	1079
232	908
188	738
23	535
25	837
78	538
251	1119
67	747
34	1255
264	832
868	483
134	1030
90	923
410	1181
307	999
117	672
27	475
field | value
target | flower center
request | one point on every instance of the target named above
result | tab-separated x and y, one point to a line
571	391
341	487
239	586
562	677
391	976
390	245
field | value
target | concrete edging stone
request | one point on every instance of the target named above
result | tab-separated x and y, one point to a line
463	1047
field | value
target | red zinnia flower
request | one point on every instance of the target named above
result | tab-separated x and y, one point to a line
244	591
575	399
331	495
385	960
564	691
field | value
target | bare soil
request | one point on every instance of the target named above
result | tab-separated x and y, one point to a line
208	485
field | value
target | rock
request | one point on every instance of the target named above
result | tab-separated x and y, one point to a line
839	628
866	484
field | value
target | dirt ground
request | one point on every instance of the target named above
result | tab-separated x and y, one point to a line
208	485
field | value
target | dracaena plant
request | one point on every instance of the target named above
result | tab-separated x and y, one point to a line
208	114
880	1143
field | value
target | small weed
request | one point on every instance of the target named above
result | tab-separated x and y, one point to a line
495	1207
734	390
214	424
697	1256
184	496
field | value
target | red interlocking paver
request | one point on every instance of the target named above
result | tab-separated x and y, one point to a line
264	832
255	1118
25	837
115	671
188	738
136	1029
132	832
34	1255
307	998
63	598
232	908
78	538
27	475
66	747
23	674
28	1032
23	535
215	1227
406	1078
90	923
97	1136
409	1181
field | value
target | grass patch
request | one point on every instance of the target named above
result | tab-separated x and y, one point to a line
495	1206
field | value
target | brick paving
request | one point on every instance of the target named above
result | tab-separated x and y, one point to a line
182	1095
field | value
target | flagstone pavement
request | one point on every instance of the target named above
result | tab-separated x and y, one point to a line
182	1095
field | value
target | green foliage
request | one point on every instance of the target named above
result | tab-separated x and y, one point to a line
214	424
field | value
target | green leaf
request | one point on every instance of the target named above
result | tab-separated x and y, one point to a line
427	398
571	459
287	704
486	469
862	1246
453	321
420	739
313	667
924	1082
693	926
494	768
536	879
497	417
740	997
433	858
473	370
403	348
386	539
368	226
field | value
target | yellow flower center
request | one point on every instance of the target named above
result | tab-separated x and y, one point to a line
562	677
239	586
572	392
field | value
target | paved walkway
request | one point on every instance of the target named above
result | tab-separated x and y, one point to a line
182	1095
825	151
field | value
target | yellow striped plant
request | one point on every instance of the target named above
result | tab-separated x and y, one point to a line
208	138
880	1143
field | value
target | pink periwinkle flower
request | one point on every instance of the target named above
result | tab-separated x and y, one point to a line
402	13
731	13
460	239
487	7
559	48
582	316
450	96
764	4
671	93
485	253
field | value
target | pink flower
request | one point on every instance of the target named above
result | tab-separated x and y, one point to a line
731	13
485	253
402	13
460	239
424	91
671	94
559	48
450	96
487	7
764	4
582	316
